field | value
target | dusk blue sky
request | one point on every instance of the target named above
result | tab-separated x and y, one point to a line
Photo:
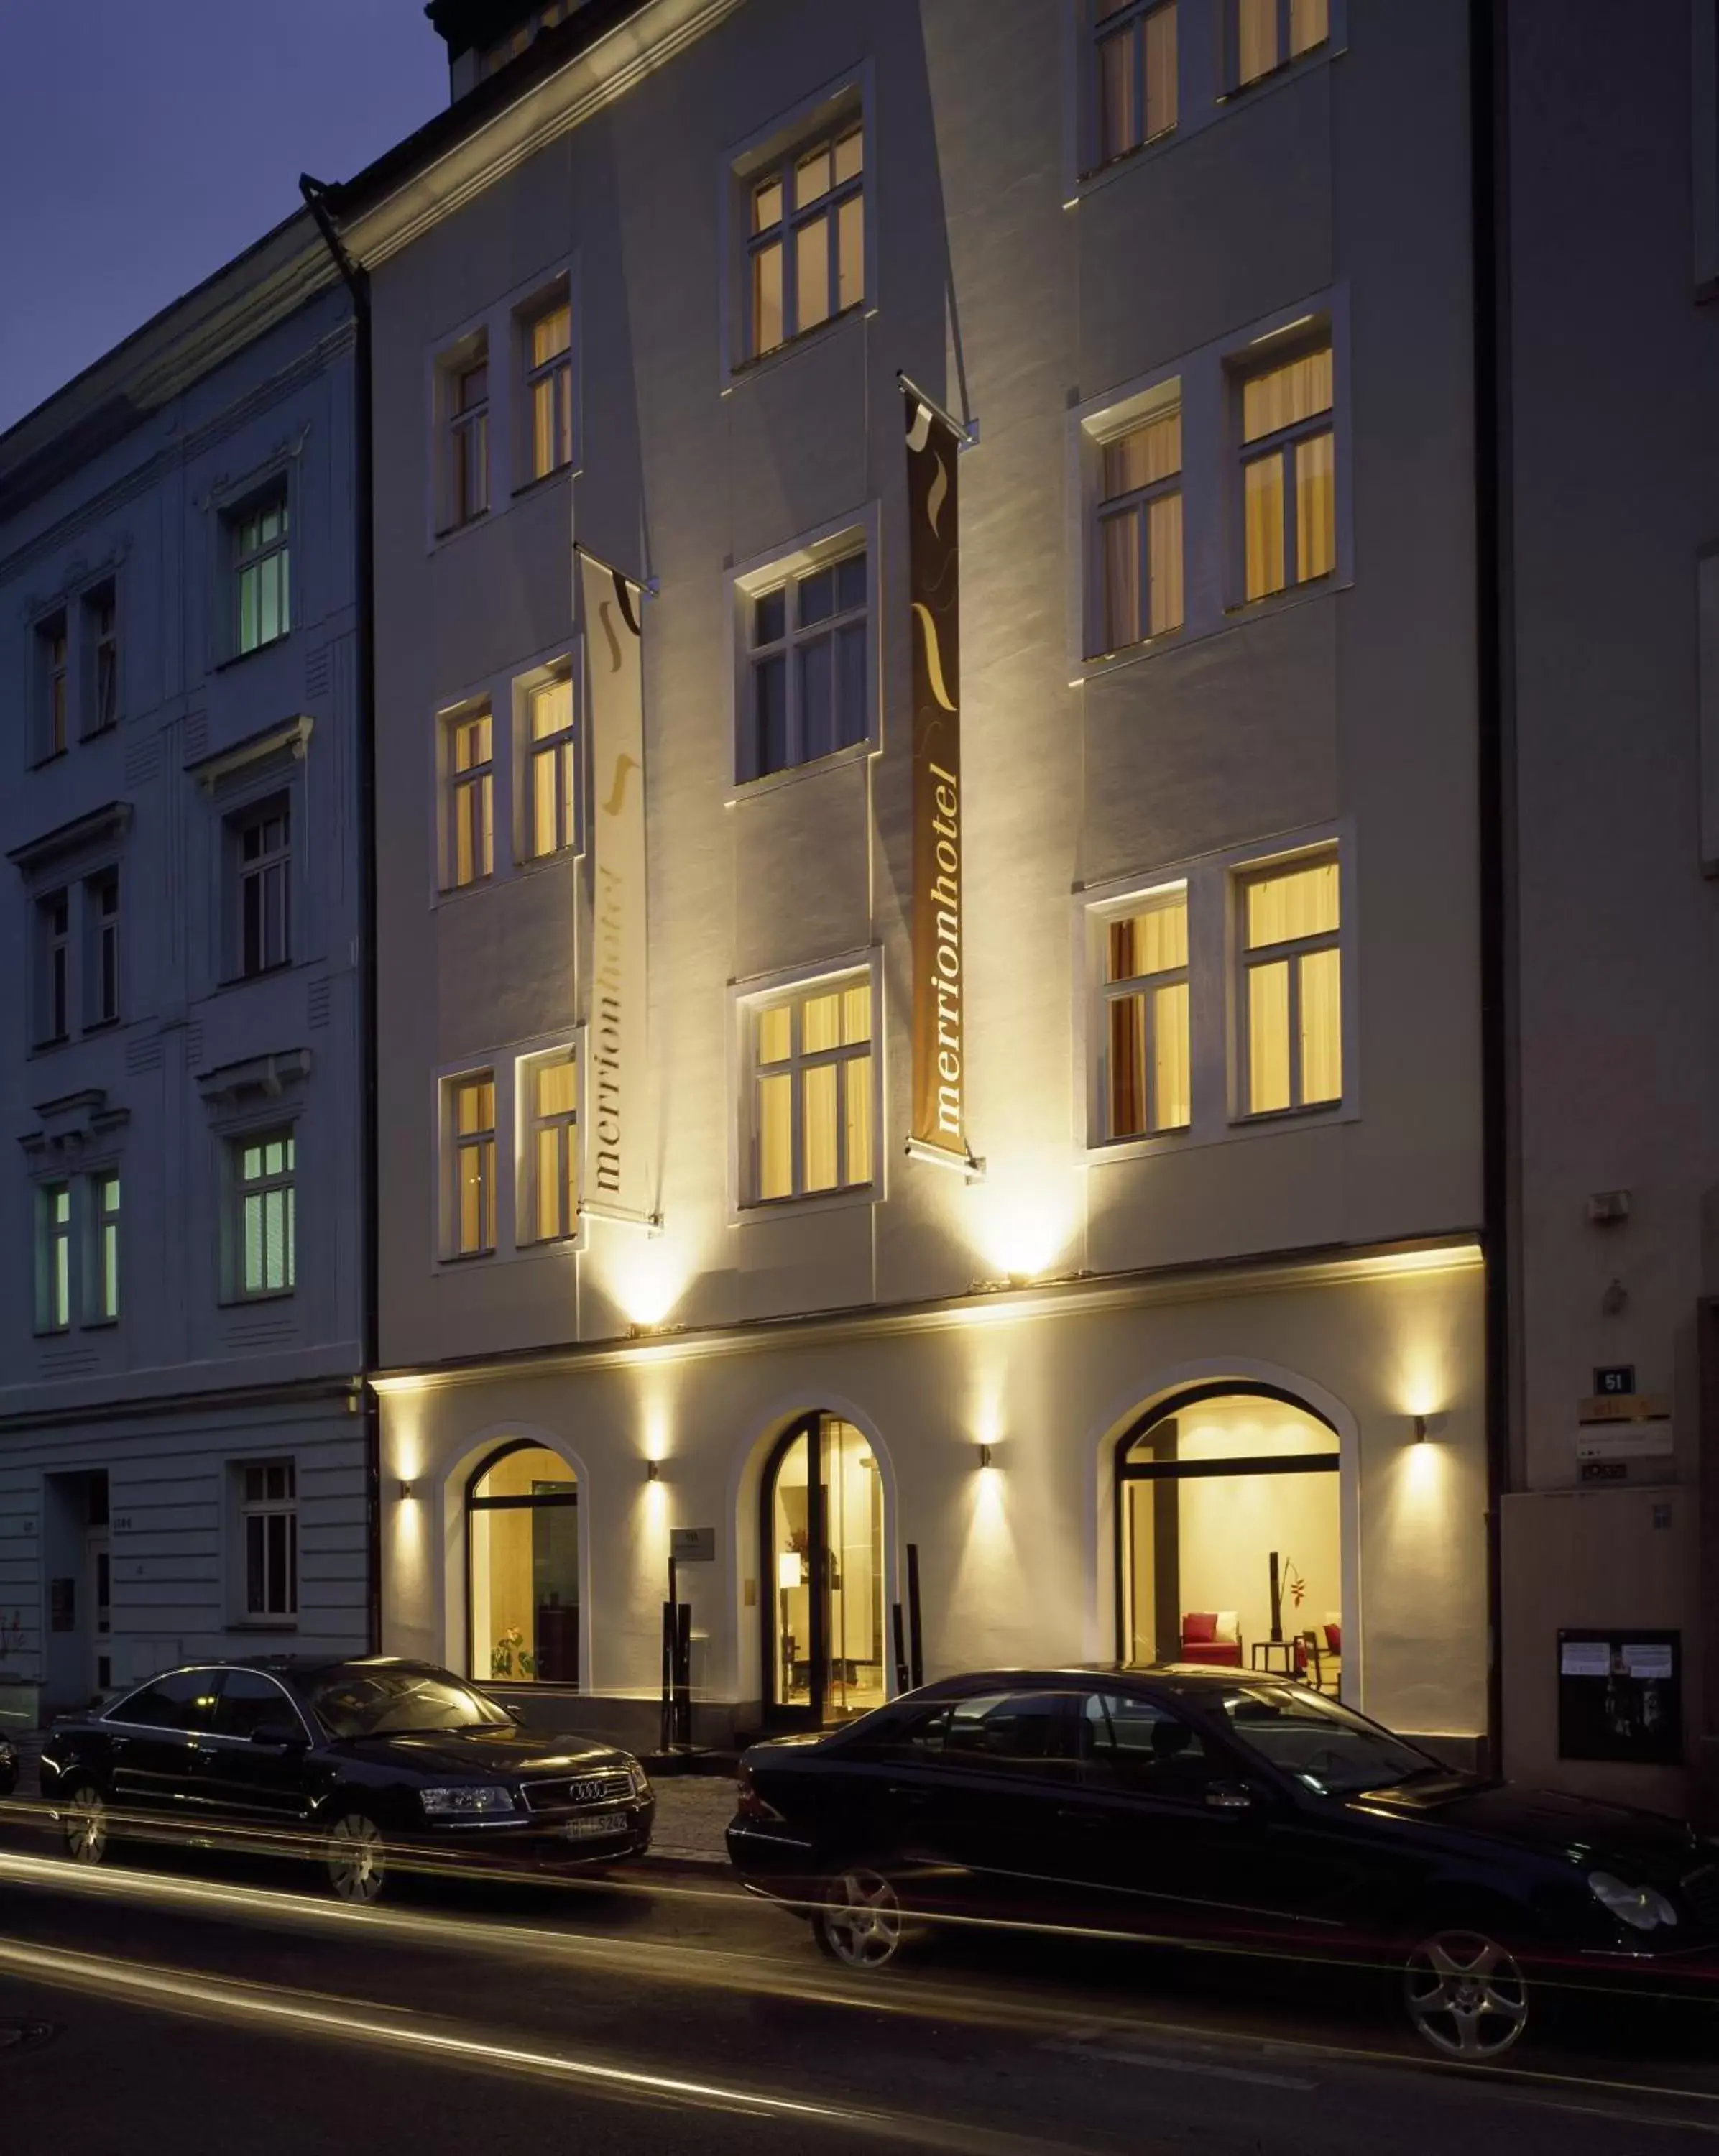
145	141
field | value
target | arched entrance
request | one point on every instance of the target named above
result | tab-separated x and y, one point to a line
1229	1536
821	1536
523	1557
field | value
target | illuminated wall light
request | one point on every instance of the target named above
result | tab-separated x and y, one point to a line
985	1458
409	1491
653	1470
1427	1425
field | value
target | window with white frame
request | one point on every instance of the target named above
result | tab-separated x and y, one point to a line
548	336
101	919
262	850
268	1529
468	436
102	1287
1288	473
550	1095
1135	74
471	797
53	968
1145	1034
813	1100
806	237
101	640
470	1111
807	690
1140	527
265	1175
54	1257
1266	34
1291	1000
262	564
551	767
51	651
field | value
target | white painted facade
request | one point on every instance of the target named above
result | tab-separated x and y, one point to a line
1331	1255
138	1387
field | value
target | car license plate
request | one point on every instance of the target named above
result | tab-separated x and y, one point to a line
588	1829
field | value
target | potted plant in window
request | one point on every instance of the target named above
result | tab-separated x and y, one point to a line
20	1695
510	1656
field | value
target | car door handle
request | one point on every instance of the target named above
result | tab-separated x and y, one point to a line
117	1744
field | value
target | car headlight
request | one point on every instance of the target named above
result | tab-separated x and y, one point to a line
471	1802
637	1777
1643	1908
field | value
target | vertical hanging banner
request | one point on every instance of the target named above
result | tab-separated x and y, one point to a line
939	1125
616	1183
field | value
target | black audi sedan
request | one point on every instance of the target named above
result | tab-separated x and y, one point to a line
356	1764
1204	1806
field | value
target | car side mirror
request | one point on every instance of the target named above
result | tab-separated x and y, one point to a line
283	1736
1229	1797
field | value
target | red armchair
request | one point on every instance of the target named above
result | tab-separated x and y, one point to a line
1200	1642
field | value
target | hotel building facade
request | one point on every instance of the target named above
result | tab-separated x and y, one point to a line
930	848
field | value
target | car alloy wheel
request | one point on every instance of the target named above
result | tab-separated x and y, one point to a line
357	1863
860	1923
84	1825
1465	1995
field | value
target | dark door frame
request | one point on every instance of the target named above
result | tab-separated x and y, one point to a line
779	1714
565	1500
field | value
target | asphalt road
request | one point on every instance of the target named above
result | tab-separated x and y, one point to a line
191	1994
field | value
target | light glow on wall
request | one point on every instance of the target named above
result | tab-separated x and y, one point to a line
1023	1219
647	1276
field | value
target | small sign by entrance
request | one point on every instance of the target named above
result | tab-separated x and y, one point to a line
1612	1380
1619	1696
693	1545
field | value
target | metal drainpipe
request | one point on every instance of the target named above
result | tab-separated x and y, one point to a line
356	281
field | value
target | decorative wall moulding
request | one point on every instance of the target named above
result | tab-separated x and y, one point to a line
111	821
235	1086
72	1126
291	737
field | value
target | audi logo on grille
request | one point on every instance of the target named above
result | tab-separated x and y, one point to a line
588	1789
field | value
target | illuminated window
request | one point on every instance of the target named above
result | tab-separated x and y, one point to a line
471	1114
51	661
1292	985
550	767
1136	74
814	1097
471	798
269	1526
1144	999
1289	474
522	1523
550	1087
549	387
467	447
54	1258
1140	530
807	684
1269	33
263	839
105	1280
262	565
265	1176
806	238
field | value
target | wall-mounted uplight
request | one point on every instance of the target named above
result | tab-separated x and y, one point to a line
653	1470
1426	1426
984	1452
408	1492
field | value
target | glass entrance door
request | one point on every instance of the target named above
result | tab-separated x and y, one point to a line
823	1532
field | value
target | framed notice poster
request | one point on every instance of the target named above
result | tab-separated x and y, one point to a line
1620	1696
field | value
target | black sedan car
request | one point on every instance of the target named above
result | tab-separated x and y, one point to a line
1208	1806
354	1762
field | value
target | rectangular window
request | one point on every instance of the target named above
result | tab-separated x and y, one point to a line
471	798
808	673
1270	33
549	388
101	640
468	441
550	775
262	565
1145	995
101	916
1291	987
263	845
266	1177
1136	74
1288	475
806	247
269	1521
104	1288
552	1101
1140	531
813	1100
472	1101
55	1258
53	962
51	650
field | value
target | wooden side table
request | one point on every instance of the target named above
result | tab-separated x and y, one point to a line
1264	1649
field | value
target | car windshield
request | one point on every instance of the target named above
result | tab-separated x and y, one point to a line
388	1702
1326	1748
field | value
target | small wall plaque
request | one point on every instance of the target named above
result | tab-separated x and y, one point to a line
693	1545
